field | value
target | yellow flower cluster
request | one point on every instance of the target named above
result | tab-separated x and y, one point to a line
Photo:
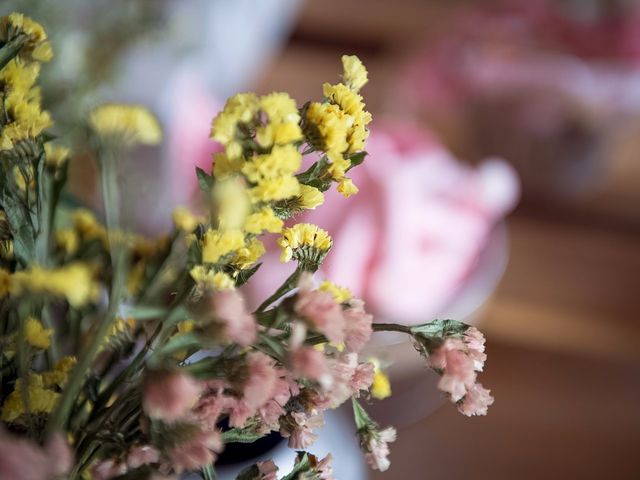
36	45
228	127
207	279
55	155
129	124
310	197
338	126
294	240
273	174
216	244
186	221
73	282
340	294
25	118
283	126
41	396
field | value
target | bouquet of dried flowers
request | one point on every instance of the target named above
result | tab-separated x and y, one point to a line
131	358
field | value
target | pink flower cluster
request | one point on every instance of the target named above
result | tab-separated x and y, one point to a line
323	314
377	448
458	361
230	311
22	459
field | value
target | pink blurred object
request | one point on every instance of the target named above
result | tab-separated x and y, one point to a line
412	238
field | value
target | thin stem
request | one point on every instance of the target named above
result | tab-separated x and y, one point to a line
288	285
391	327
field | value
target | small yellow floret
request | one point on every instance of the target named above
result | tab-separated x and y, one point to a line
56	155
381	386
131	124
37	47
36	335
340	294
40	399
249	254
217	244
354	73
209	279
184	220
303	235
310	197
263	219
347	188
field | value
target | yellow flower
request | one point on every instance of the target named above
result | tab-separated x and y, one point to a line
60	374
294	239
273	189
249	254
67	240
310	197
281	161
352	105
186	326
340	294
87	225
36	335
135	277
184	220
56	155
210	279
40	399
329	127
354	73
339	166
130	124
239	109
381	386
283	120
37	46
263	219
73	281
347	188
217	244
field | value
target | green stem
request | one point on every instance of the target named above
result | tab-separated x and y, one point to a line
60	416
391	327
288	285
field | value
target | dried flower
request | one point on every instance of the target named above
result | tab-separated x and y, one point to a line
169	395
130	124
230	311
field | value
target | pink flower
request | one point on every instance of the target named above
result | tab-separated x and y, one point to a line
324	468
108	469
476	401
22	459
169	395
142	455
322	313
299	429
378	449
261	384
362	378
239	412
474	340
197	452
357	326
457	368
307	362
268	470
231	311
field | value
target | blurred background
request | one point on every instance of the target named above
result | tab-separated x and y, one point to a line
503	184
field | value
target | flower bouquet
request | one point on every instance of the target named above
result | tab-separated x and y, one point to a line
124	357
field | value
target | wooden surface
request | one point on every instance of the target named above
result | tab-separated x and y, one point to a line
564	324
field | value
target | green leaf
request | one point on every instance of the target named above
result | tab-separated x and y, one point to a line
303	465
144	312
205	181
360	415
440	328
10	49
356	159
239	435
244	275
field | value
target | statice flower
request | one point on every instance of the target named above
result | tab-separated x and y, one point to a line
169	395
